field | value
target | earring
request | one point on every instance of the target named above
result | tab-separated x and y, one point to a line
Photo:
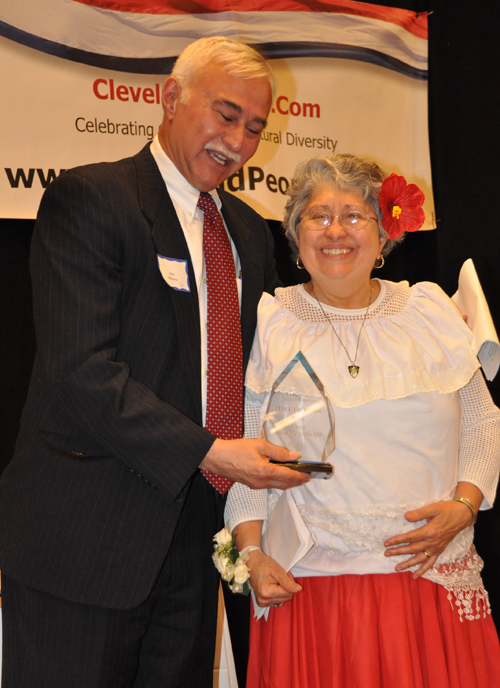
301	267
381	264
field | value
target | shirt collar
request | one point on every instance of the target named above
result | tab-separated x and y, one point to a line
185	194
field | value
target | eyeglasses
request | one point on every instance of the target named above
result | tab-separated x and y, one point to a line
319	221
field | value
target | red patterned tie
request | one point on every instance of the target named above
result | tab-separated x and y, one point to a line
224	417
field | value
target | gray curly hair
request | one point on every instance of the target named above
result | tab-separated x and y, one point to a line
348	173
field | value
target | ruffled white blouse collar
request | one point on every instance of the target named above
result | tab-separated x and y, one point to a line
413	340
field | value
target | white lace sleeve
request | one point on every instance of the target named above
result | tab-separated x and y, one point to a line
244	504
479	456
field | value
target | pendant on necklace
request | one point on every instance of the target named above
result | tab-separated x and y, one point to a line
353	370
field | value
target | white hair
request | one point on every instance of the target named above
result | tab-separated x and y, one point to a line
239	59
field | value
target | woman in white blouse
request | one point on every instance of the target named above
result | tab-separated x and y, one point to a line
390	593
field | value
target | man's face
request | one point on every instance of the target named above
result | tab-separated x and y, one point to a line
217	129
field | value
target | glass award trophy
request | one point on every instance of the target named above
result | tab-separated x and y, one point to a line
300	417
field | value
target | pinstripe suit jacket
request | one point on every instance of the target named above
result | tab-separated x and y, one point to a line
111	432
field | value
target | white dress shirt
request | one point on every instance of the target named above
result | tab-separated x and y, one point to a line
184	197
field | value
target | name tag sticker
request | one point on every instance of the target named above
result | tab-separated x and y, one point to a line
175	272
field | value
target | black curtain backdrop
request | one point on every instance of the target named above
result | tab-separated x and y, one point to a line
465	149
463	105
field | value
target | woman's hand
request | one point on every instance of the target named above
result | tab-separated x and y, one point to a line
270	582
424	545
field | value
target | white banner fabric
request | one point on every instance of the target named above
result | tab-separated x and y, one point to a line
58	113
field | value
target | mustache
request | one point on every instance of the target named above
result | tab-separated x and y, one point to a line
219	148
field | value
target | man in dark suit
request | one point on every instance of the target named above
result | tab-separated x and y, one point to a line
105	518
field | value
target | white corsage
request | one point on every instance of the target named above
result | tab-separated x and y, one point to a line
229	563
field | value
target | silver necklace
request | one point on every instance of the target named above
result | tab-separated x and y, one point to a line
353	368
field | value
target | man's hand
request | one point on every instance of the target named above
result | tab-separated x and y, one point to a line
247	461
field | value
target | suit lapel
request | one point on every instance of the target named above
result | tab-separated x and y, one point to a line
169	241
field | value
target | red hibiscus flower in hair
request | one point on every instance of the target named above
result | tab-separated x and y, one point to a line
401	206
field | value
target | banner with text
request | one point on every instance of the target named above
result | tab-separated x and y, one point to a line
81	82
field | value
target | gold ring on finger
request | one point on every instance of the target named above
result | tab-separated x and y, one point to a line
427	554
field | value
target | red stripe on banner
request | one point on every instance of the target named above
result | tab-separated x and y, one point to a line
410	21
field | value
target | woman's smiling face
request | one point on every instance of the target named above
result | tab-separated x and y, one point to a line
335	253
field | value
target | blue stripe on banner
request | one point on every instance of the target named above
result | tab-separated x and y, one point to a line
347	52
155	65
163	65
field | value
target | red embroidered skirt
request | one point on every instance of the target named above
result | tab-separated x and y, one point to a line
372	631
